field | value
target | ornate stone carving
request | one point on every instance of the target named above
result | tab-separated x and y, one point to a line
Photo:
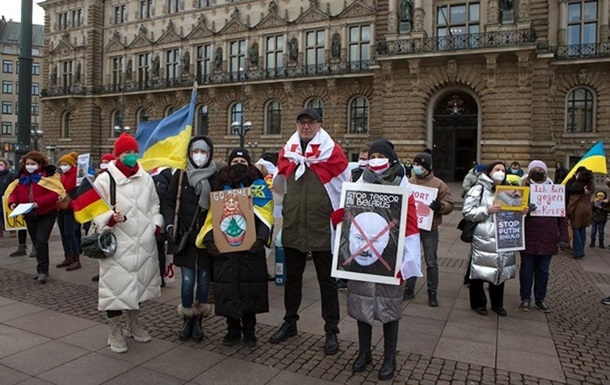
253	54
491	66
492	12
452	69
335	50
418	20
582	76
414	71
524	63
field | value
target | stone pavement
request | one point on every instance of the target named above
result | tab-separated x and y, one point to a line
53	333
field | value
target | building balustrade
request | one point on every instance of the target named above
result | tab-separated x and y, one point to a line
583	51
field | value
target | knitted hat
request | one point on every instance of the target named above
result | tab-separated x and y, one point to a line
385	148
6	163
125	143
240	153
200	144
107	157
536	164
311	113
425	160
69	158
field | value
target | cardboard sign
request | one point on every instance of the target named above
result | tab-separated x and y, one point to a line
14	223
423	197
512	198
233	219
82	167
550	200
369	243
510	231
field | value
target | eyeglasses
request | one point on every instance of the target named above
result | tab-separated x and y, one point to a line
308	123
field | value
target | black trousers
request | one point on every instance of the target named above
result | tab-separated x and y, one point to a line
293	291
40	227
478	298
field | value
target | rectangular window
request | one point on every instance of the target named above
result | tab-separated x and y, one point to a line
457	25
274	55
117	71
314	51
145	9
206	3
35	89
359	46
77	18
172	65
237	58
7	128
7	108
120	14
62	20
36	69
143	67
66	73
582	23
204	62
7	87
7	66
174	6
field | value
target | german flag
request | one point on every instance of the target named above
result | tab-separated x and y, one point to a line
88	203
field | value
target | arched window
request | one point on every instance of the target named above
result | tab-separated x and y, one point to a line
143	115
359	116
202	121
117	123
65	125
236	115
273	118
579	110
318	105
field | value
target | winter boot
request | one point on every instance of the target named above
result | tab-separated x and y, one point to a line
116	339
365	334
33	253
432	301
233	332
67	261
187	322
390	337
75	265
200	310
249	326
134	329
19	252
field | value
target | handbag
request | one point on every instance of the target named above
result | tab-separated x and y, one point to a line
468	227
185	237
101	245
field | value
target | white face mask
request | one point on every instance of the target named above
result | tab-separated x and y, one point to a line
200	159
31	168
362	163
379	165
65	168
103	166
498	176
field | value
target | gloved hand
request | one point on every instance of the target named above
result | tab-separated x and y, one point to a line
435	205
258	247
337	216
212	249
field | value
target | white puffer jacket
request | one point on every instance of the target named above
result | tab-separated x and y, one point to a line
131	275
485	262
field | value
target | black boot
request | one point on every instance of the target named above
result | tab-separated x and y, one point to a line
187	323
233	332
197	331
365	333
390	336
249	326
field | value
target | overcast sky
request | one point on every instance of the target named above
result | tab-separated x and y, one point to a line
11	9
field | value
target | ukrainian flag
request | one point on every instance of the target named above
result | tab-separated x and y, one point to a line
594	160
164	143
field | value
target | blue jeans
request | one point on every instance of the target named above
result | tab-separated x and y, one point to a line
578	243
429	240
597	229
188	286
69	230
534	270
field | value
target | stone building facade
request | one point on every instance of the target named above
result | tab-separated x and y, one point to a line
10	41
473	80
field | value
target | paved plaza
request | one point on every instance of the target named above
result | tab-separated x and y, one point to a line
53	333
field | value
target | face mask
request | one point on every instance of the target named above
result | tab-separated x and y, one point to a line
64	169
362	163
498	176
200	159
31	168
513	171
103	166
2	167
240	169
379	165
130	160
537	176
418	170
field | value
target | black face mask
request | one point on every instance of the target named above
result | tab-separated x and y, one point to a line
537	176
240	169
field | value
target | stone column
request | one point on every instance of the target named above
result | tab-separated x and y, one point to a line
418	17
604	25
492	12
392	17
563	22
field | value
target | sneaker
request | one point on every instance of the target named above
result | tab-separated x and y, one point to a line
525	305
542	306
606	301
409	294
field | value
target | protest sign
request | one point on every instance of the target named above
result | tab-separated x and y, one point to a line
12	223
511	198
550	200
423	196
510	234
233	219
370	240
82	166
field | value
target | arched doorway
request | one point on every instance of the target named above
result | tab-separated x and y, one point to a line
454	135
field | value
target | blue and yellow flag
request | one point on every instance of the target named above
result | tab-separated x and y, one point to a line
164	143
594	160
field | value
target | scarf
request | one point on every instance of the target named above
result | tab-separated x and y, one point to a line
30	178
126	170
199	179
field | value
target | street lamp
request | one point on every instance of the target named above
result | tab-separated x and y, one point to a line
51	150
252	146
36	135
240	127
119	129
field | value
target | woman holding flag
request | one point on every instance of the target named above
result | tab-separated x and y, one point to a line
241	277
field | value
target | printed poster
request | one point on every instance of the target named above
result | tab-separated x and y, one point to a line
512	198
550	200
82	167
233	219
14	223
423	196
510	231
369	241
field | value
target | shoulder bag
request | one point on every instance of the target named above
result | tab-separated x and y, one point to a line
183	240
468	227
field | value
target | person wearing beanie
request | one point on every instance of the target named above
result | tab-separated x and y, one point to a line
542	236
131	276
69	228
442	205
185	213
240	278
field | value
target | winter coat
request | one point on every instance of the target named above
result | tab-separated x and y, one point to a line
68	180
485	262
6	177
443	195
27	192
306	214
579	203
600	210
161	179
469	180
193	257
131	276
